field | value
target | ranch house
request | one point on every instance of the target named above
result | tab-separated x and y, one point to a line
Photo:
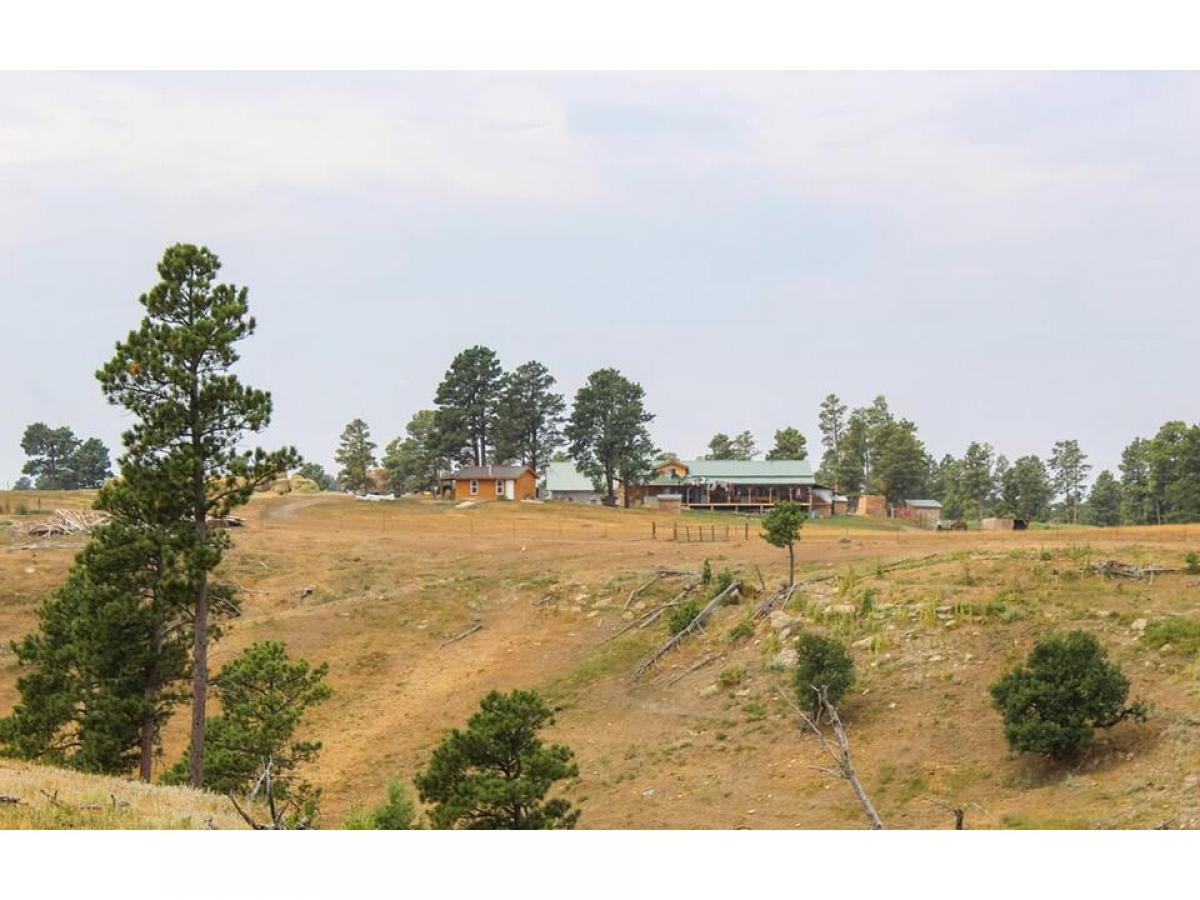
492	483
732	485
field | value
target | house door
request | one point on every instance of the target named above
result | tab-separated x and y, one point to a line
509	490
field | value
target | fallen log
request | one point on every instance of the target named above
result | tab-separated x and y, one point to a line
649	617
696	666
676	639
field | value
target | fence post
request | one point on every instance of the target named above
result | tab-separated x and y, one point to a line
675	531
746	536
712	532
654	531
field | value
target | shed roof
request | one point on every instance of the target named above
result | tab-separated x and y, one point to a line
564	476
923	504
481	472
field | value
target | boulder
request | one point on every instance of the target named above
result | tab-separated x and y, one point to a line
780	620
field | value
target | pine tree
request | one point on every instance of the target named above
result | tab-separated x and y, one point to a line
744	447
49	451
1069	467
781	528
111	649
496	774
720	447
976	479
414	461
789	444
1104	501
530	416
467	400
90	464
264	696
356	455
607	431
184	451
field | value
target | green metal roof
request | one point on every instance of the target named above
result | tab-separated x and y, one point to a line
923	504
563	476
738	471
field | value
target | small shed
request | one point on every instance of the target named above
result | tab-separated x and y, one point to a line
925	513
873	505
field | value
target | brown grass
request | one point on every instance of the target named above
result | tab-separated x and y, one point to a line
392	581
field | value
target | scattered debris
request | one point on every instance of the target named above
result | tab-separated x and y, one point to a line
15	801
225	522
63	522
307	591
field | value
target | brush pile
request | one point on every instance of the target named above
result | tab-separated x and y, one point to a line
63	522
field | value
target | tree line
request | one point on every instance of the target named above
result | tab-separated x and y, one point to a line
483	415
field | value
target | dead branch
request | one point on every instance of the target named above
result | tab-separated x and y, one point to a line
649	617
837	748
959	811
478	626
1112	568
53	798
7	799
637	591
676	639
696	666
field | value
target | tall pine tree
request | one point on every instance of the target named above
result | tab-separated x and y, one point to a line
192	414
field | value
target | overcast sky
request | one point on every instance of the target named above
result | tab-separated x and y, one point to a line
1008	258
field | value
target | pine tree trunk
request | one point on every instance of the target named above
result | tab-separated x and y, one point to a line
150	720
200	626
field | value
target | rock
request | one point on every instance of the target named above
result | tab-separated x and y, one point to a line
744	692
785	658
710	691
1138	625
648	793
935	658
786	634
863	643
842	609
1191	780
780	620
944	610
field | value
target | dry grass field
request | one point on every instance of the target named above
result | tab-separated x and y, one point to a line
713	748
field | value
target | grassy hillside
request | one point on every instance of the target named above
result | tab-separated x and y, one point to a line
715	747
40	797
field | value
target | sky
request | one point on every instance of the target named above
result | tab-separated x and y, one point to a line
1009	258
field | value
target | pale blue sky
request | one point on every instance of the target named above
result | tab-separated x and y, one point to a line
1009	258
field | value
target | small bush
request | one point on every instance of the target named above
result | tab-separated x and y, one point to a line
742	630
822	664
1192	560
682	616
706	575
1180	632
732	677
1066	689
724	580
868	602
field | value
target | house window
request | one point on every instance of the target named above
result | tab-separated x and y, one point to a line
474	487
499	488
